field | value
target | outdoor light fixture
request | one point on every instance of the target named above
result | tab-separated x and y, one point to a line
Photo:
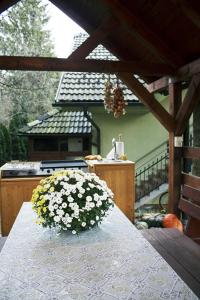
178	141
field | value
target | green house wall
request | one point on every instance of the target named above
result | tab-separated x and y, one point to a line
141	132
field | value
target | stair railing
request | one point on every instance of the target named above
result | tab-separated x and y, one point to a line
151	171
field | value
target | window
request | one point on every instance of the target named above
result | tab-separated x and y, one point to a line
86	144
45	144
75	144
63	145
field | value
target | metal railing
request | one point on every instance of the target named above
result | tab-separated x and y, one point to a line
152	173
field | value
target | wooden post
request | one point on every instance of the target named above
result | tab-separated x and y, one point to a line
175	153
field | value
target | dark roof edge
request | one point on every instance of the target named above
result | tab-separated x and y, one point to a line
90	103
51	134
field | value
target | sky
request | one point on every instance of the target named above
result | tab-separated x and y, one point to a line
62	30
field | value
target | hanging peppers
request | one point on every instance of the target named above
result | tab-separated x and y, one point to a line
118	102
108	100
114	99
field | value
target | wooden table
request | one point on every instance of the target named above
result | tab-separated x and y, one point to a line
109	262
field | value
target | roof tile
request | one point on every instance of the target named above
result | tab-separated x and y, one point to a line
81	86
59	122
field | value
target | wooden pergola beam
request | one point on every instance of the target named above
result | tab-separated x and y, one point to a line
85	65
73	65
182	74
149	38
187	71
158	85
94	39
190	12
174	167
187	107
148	99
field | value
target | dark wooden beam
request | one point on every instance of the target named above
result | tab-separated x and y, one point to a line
149	38
191	180
95	38
187	107
191	193
148	99
67	8
86	24
174	167
158	85
73	65
182	74
5	4
190	12
187	71
191	152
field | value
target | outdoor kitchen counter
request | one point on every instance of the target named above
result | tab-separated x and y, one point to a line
118	175
120	178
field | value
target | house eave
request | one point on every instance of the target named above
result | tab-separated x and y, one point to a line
90	104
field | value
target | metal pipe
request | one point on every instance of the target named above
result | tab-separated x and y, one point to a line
98	144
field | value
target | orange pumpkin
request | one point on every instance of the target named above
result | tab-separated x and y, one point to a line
171	221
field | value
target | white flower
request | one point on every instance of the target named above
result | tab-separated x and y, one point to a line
51	214
83	224
59	200
55	206
99	203
70	199
64	204
82	190
79	195
97	218
88	198
64	220
56	219
92	222
51	208
69	219
91	185
92	204
73	231
60	212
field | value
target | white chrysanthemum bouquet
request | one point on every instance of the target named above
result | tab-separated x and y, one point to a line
71	200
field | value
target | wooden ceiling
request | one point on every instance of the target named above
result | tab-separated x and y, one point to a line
145	31
155	39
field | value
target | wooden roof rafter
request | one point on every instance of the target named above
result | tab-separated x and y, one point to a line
82	65
182	74
191	99
149	100
95	38
149	38
189	12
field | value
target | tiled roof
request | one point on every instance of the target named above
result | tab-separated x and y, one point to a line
59	122
88	87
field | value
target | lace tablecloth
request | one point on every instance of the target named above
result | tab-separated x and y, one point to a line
110	262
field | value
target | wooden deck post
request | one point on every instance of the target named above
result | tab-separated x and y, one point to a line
174	171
